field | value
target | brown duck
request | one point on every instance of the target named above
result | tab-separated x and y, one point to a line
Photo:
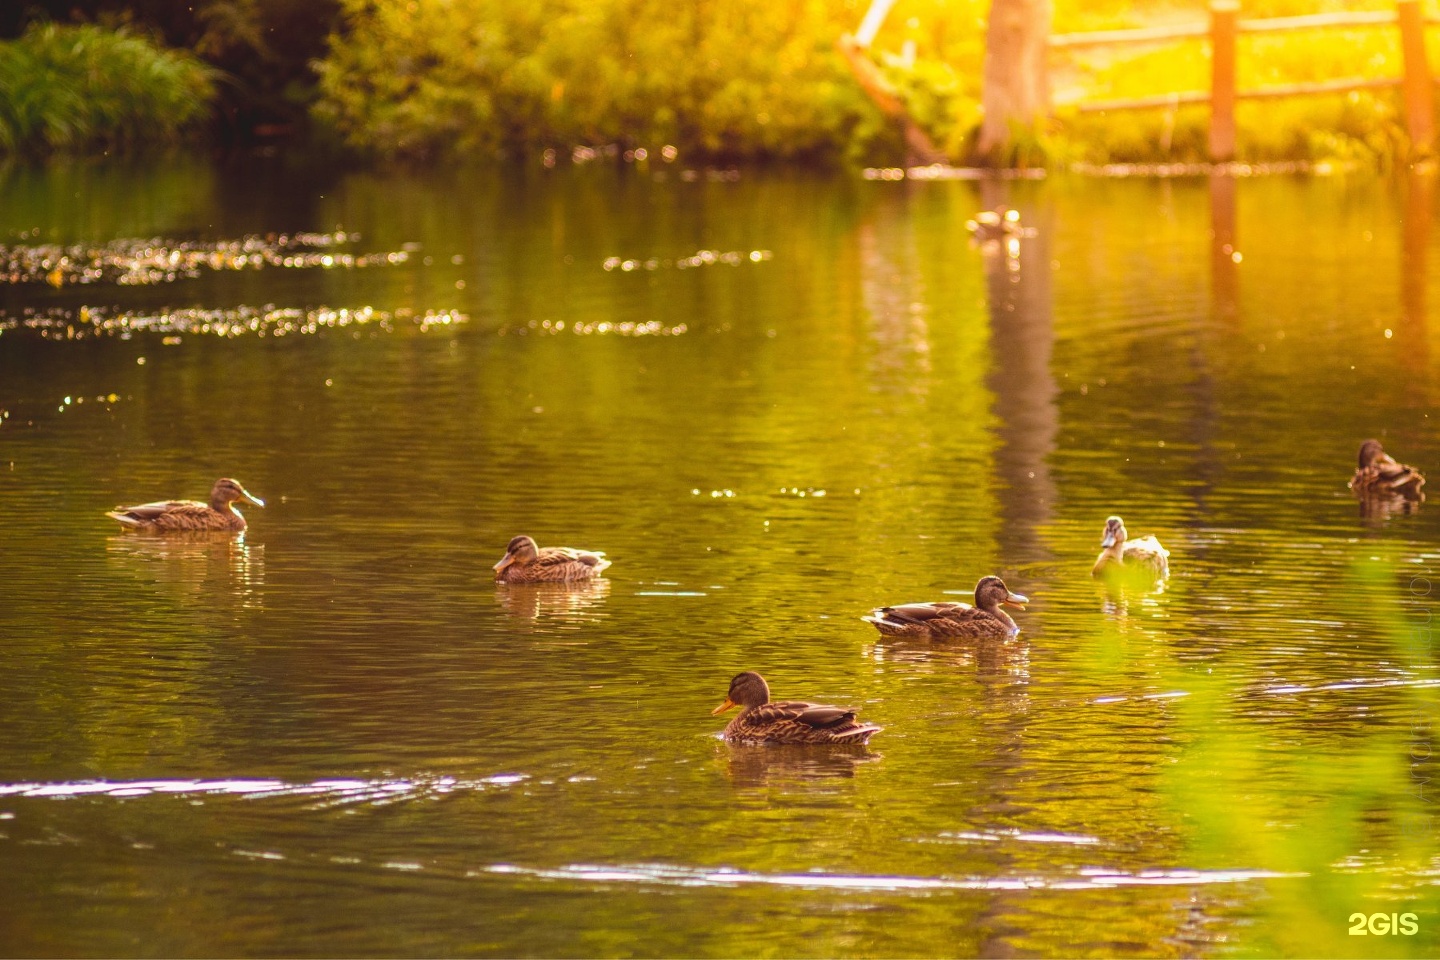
1119	553
165	516
524	562
787	722
1379	475
944	619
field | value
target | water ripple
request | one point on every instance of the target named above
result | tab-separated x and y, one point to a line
269	320
700	258
328	793
143	262
664	874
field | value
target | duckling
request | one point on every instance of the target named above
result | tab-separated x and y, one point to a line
1119	553
1379	475
787	722
165	516
524	562
995	224
945	619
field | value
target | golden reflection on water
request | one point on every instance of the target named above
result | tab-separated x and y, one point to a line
895	297
219	566
1377	510
146	261
769	765
575	603
987	658
993	406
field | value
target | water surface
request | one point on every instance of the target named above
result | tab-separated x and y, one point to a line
775	400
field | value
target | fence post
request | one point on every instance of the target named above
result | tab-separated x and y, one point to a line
1418	84
1224	17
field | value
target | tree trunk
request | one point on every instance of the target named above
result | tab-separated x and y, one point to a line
1016	90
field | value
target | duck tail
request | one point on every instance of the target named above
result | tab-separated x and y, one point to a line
887	627
862	733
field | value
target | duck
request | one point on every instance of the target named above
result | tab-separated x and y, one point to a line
1118	552
1379	475
165	516
995	224
948	619
788	721
524	562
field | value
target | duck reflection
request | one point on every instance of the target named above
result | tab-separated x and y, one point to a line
577	601
1003	663
213	563
1121	600
1119	593
990	659
1376	509
762	765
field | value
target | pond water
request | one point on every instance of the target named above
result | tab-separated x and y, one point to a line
776	400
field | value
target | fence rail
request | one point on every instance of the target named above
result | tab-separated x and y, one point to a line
1225	26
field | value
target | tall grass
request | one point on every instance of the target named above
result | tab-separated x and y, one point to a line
1365	127
86	86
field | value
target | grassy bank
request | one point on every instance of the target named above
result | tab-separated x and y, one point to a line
86	87
717	79
1366	127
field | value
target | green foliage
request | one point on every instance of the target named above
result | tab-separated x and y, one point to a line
749	78
263	47
266	46
72	87
739	78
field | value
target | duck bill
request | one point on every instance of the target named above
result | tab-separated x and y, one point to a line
723	707
1016	600
1109	541
505	561
251	498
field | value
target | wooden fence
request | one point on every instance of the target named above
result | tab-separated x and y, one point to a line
1225	26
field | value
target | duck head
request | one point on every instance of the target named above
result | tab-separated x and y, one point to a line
747	689
519	550
227	491
1371	452
1114	533
991	592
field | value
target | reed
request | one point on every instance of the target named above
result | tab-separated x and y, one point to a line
65	88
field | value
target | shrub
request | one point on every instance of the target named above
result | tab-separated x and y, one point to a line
74	87
734	77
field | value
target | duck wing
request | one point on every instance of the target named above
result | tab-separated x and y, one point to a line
1385	475
559	556
1398	476
1146	545
921	613
148	512
796	722
1146	553
819	716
